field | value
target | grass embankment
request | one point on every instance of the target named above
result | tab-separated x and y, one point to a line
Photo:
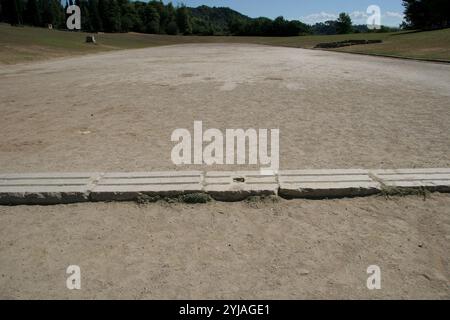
428	45
22	44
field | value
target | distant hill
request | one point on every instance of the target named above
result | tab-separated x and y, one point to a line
220	15
215	19
224	21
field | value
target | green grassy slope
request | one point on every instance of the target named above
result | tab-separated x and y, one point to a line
419	45
22	44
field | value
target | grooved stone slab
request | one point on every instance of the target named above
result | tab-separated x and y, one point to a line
432	179
60	188
45	188
128	186
236	186
318	184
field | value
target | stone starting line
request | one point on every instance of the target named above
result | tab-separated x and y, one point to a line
63	188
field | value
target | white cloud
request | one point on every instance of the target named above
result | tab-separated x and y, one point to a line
394	15
358	17
325	16
319	17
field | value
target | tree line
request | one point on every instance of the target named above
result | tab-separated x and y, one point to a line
100	15
153	17
427	14
159	18
36	13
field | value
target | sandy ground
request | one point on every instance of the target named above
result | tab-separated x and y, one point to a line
272	250
117	111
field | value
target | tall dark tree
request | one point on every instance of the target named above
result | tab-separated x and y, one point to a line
183	19
94	16
151	20
128	15
48	13
328	27
344	23
202	27
279	26
172	28
13	11
59	14
138	23
427	14
32	14
111	17
102	7
169	19
237	26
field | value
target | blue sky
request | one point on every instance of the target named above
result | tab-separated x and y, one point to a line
309	11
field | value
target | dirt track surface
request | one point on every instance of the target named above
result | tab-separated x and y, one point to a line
261	250
117	111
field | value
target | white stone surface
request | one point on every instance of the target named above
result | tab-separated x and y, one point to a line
128	186
55	188
44	188
326	183
433	179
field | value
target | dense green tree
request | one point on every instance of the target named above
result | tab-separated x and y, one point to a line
138	22
279	26
2	18
202	27
161	9
112	21
60	16
183	20
94	15
151	20
237	26
296	28
102	7
261	27
172	28
128	15
266	27
427	14
169	19
32	14
52	13
325	28
110	15
13	11
344	23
